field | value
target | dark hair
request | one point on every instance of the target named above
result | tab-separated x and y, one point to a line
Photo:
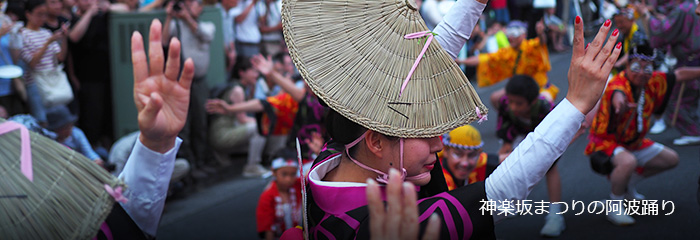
242	64
279	57
344	131
32	4
524	86
16	7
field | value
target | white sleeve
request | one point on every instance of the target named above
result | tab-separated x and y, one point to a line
147	176
528	163
457	26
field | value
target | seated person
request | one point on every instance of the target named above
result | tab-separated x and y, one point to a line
62	122
463	159
279	207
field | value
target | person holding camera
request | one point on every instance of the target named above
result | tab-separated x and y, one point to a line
182	21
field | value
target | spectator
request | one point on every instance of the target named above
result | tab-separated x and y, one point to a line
271	27
89	47
279	207
463	159
197	35
11	90
625	22
42	51
227	11
55	18
248	36
231	132
61	121
500	9
555	29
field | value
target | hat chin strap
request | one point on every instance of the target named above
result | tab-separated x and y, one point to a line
384	177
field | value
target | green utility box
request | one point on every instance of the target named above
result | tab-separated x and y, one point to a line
121	26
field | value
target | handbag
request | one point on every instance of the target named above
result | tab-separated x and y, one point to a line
53	86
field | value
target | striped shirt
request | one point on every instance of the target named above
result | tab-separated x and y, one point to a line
32	42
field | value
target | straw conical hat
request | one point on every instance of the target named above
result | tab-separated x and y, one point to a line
66	198
354	56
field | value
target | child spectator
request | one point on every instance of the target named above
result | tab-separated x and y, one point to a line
41	50
279	207
196	35
62	122
519	112
463	159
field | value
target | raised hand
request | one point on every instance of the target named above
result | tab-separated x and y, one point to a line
400	219
263	65
161	100
590	67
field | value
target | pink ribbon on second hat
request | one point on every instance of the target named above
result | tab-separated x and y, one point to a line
430	36
26	151
116	193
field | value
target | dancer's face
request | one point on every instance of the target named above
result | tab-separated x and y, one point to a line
461	161
639	71
418	156
518	105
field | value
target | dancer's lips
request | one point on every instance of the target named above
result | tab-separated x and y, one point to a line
430	166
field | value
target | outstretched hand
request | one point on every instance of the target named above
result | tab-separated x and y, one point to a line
262	64
216	106
590	66
161	100
400	219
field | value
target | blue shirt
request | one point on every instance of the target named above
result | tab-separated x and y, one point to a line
79	142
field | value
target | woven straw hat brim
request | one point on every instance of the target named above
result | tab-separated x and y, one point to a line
66	200
353	55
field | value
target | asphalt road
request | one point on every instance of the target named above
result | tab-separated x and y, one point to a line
226	210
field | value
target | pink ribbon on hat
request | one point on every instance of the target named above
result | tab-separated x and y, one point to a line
26	151
116	193
482	118
430	36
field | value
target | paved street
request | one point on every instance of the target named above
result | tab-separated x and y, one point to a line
226	210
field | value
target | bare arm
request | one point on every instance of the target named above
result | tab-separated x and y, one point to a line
472	61
687	73
81	27
218	106
265	67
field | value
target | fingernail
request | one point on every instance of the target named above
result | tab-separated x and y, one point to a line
615	33
587	45
371	182
619	45
578	19
607	23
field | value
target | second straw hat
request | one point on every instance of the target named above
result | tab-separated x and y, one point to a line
354	55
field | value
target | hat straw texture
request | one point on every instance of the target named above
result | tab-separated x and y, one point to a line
354	56
65	200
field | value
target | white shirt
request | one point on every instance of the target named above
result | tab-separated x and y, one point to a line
147	175
273	19
227	25
247	31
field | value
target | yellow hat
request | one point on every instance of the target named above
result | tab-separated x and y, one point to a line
464	137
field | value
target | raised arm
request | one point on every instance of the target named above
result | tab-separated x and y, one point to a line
457	26
162	102
528	163
265	67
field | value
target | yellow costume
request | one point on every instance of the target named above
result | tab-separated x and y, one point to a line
532	59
